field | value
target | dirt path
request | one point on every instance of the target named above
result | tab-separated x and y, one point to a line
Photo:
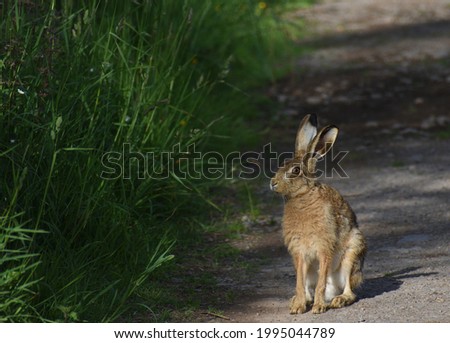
381	72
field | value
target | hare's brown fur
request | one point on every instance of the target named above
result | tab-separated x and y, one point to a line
319	229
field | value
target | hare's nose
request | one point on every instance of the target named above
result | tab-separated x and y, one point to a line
273	184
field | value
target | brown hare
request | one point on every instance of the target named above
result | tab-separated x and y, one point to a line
319	227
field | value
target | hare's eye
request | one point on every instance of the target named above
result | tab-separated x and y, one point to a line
295	170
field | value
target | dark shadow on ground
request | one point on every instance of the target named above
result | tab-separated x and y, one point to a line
374	287
382	35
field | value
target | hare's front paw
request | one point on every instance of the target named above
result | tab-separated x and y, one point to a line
319	308
297	305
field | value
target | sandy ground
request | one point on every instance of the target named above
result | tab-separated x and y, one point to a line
380	71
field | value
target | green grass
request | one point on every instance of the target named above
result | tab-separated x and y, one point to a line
17	274
181	294
80	79
398	164
443	134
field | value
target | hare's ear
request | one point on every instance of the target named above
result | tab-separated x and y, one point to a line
305	134
323	142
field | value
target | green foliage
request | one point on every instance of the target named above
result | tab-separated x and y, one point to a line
80	79
17	266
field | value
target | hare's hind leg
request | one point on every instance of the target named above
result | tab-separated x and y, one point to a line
351	270
299	300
